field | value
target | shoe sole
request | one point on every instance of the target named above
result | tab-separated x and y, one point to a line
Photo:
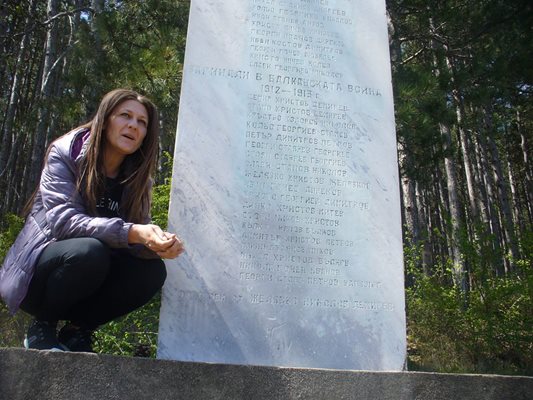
27	347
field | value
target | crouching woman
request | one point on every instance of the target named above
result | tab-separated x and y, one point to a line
87	253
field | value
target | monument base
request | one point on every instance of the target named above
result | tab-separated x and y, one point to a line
30	374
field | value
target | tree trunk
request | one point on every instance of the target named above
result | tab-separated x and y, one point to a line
7	133
490	201
12	199
45	95
459	273
98	7
463	140
505	207
425	227
528	184
411	209
483	202
14	97
516	211
436	208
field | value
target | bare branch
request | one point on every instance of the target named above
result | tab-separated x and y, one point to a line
410	58
34	25
71	45
67	13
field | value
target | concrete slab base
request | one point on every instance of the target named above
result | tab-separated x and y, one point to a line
30	374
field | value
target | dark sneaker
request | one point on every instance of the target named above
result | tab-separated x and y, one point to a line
42	335
76	339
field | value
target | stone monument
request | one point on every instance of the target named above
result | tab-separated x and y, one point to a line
285	190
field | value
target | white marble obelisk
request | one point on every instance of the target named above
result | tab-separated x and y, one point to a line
285	190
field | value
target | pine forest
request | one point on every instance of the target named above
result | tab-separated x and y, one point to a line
462	78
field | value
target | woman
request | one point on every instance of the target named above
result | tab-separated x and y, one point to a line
87	253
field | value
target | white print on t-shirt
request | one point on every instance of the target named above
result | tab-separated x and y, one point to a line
111	204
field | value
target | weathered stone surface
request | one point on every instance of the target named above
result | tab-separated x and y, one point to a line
38	375
285	190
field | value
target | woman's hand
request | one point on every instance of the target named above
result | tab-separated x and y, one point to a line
174	250
164	244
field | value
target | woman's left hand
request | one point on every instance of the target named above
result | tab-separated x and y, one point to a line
174	249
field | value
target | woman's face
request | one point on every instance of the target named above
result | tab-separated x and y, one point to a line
126	128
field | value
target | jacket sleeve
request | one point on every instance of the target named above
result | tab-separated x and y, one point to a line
139	250
65	210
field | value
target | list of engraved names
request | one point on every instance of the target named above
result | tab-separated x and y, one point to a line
303	194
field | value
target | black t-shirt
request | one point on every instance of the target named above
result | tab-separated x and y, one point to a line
108	204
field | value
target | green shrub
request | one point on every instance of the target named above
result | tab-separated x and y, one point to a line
491	333
13	224
132	335
12	328
160	200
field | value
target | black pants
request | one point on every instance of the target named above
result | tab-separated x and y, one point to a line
84	281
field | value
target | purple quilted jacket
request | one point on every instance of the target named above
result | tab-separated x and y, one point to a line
58	213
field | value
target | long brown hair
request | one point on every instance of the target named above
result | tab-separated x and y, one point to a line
136	170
